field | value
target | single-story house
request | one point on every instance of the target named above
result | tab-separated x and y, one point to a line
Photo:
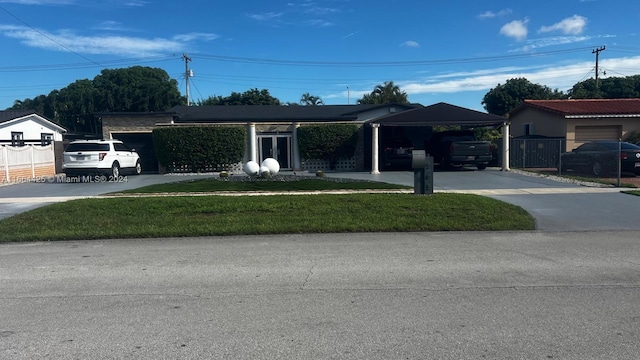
24	127
272	129
577	120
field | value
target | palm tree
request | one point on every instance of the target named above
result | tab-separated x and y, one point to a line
386	93
308	99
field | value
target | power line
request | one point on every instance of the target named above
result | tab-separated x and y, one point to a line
382	63
74	66
49	38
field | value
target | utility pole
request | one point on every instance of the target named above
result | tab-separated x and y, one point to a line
187	75
597	52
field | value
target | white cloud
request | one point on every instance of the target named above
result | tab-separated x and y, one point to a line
410	43
533	44
110	26
573	25
555	76
491	14
318	23
266	16
137	3
115	45
516	29
561	77
196	36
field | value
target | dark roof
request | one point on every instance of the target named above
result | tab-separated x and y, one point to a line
7	115
261	113
440	114
583	107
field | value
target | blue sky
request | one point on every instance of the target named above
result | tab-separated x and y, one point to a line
437	51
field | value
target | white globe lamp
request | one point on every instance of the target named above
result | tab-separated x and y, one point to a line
251	168
272	164
264	171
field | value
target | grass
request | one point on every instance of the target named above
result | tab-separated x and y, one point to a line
179	216
277	184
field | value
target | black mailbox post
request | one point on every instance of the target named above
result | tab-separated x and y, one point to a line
422	172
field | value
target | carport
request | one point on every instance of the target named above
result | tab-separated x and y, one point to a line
438	114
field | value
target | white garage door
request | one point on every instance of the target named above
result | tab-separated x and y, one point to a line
590	133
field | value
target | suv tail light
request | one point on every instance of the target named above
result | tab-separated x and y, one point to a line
624	156
101	156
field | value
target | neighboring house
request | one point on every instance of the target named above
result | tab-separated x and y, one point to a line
271	129
28	144
578	121
24	127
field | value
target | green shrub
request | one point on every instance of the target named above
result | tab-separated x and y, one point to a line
328	142
199	149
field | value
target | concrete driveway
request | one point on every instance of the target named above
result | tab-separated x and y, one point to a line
17	198
556	205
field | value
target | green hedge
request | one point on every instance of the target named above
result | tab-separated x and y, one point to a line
328	142
199	149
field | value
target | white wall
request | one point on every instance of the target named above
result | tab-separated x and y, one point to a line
31	126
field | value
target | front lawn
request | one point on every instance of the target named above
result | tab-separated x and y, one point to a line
278	183
180	216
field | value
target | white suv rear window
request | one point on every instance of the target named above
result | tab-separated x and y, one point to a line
75	147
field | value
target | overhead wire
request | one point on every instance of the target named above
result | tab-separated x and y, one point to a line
48	37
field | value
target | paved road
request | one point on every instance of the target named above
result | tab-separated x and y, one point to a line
548	294
515	295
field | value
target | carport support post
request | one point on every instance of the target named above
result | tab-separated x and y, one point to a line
374	149
252	142
297	166
505	146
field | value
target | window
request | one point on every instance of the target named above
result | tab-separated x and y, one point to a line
120	147
87	146
528	129
46	139
17	139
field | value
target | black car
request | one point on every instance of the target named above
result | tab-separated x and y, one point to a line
602	157
397	154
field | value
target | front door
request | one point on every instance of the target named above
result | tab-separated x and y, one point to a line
277	147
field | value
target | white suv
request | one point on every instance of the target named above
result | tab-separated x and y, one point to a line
108	157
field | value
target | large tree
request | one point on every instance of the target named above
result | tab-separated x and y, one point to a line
249	97
504	98
387	93
310	100
131	89
607	88
135	89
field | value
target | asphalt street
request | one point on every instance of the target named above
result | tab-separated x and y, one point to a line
463	295
569	290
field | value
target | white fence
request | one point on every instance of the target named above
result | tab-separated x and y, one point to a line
24	163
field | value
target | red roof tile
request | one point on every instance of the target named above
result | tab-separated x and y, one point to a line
584	106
